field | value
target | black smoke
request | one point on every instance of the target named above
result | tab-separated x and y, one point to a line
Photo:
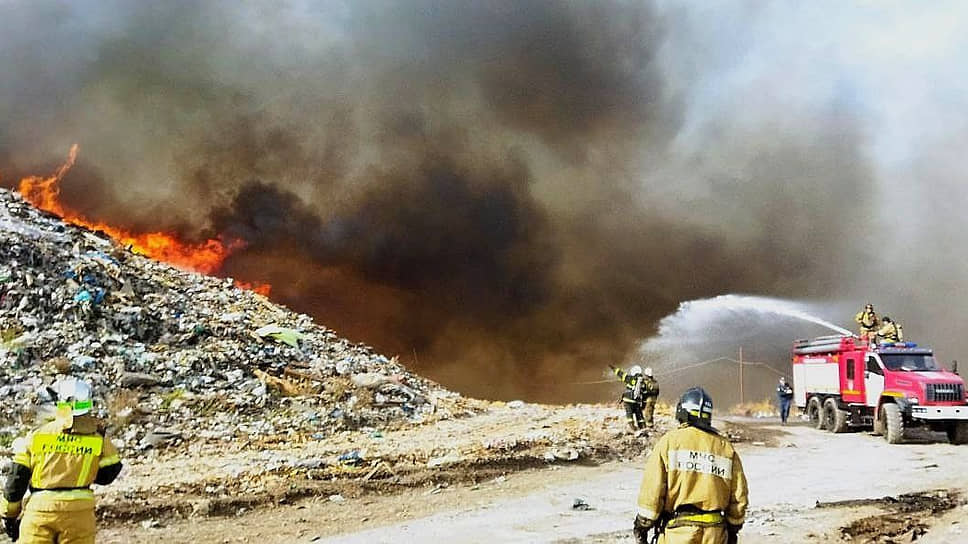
508	195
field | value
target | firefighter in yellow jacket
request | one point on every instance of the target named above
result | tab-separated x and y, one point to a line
650	393
693	490
57	463
868	322
890	331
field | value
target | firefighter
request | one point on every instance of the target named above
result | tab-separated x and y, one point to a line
867	319
58	462
650	393
890	331
693	489
632	397
784	394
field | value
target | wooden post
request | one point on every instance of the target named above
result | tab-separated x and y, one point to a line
742	394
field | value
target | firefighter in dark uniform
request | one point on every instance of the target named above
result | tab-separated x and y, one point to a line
784	394
693	489
57	463
633	396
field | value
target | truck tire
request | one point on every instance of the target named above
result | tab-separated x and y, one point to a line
815	413
835	419
879	424
958	432
893	423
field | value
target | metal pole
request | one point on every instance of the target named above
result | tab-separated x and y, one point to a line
742	394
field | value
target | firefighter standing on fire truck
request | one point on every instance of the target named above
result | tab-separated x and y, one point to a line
693	489
890	331
58	463
867	319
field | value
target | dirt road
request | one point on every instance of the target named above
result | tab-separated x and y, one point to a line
786	484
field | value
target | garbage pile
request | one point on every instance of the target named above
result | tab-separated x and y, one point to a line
173	355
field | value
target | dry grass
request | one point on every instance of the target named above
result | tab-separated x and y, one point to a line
286	386
58	365
763	408
7	334
338	388
167	400
364	397
122	407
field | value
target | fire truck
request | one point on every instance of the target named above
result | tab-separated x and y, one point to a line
843	382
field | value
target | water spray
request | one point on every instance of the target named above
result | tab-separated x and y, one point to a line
697	320
714	330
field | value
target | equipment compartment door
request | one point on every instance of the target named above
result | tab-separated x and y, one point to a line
852	389
874	380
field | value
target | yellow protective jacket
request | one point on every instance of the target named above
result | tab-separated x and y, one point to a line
58	462
891	332
691	469
866	320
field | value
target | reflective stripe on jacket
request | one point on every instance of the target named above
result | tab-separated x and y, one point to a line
691	469
630	382
784	392
63	459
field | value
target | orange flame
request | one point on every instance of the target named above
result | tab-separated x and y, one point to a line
256	287
205	257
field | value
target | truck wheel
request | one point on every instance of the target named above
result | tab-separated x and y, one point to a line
958	432
893	423
835	419
815	413
879	423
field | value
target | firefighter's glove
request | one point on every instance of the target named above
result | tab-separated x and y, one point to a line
641	529
732	533
11	526
612	367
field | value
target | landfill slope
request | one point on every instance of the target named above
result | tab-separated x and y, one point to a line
176	356
222	402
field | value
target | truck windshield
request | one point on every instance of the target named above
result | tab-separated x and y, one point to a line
903	361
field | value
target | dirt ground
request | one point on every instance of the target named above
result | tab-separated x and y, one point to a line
805	486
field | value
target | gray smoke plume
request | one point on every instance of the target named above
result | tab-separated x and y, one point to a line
510	195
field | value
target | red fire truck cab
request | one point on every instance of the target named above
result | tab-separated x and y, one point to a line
842	382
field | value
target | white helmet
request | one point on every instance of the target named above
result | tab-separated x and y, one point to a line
635	370
648	371
74	394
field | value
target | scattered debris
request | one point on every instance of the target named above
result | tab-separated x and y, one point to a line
208	361
449	459
222	401
905	518
290	337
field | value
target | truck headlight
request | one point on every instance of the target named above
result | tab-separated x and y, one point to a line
912	400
